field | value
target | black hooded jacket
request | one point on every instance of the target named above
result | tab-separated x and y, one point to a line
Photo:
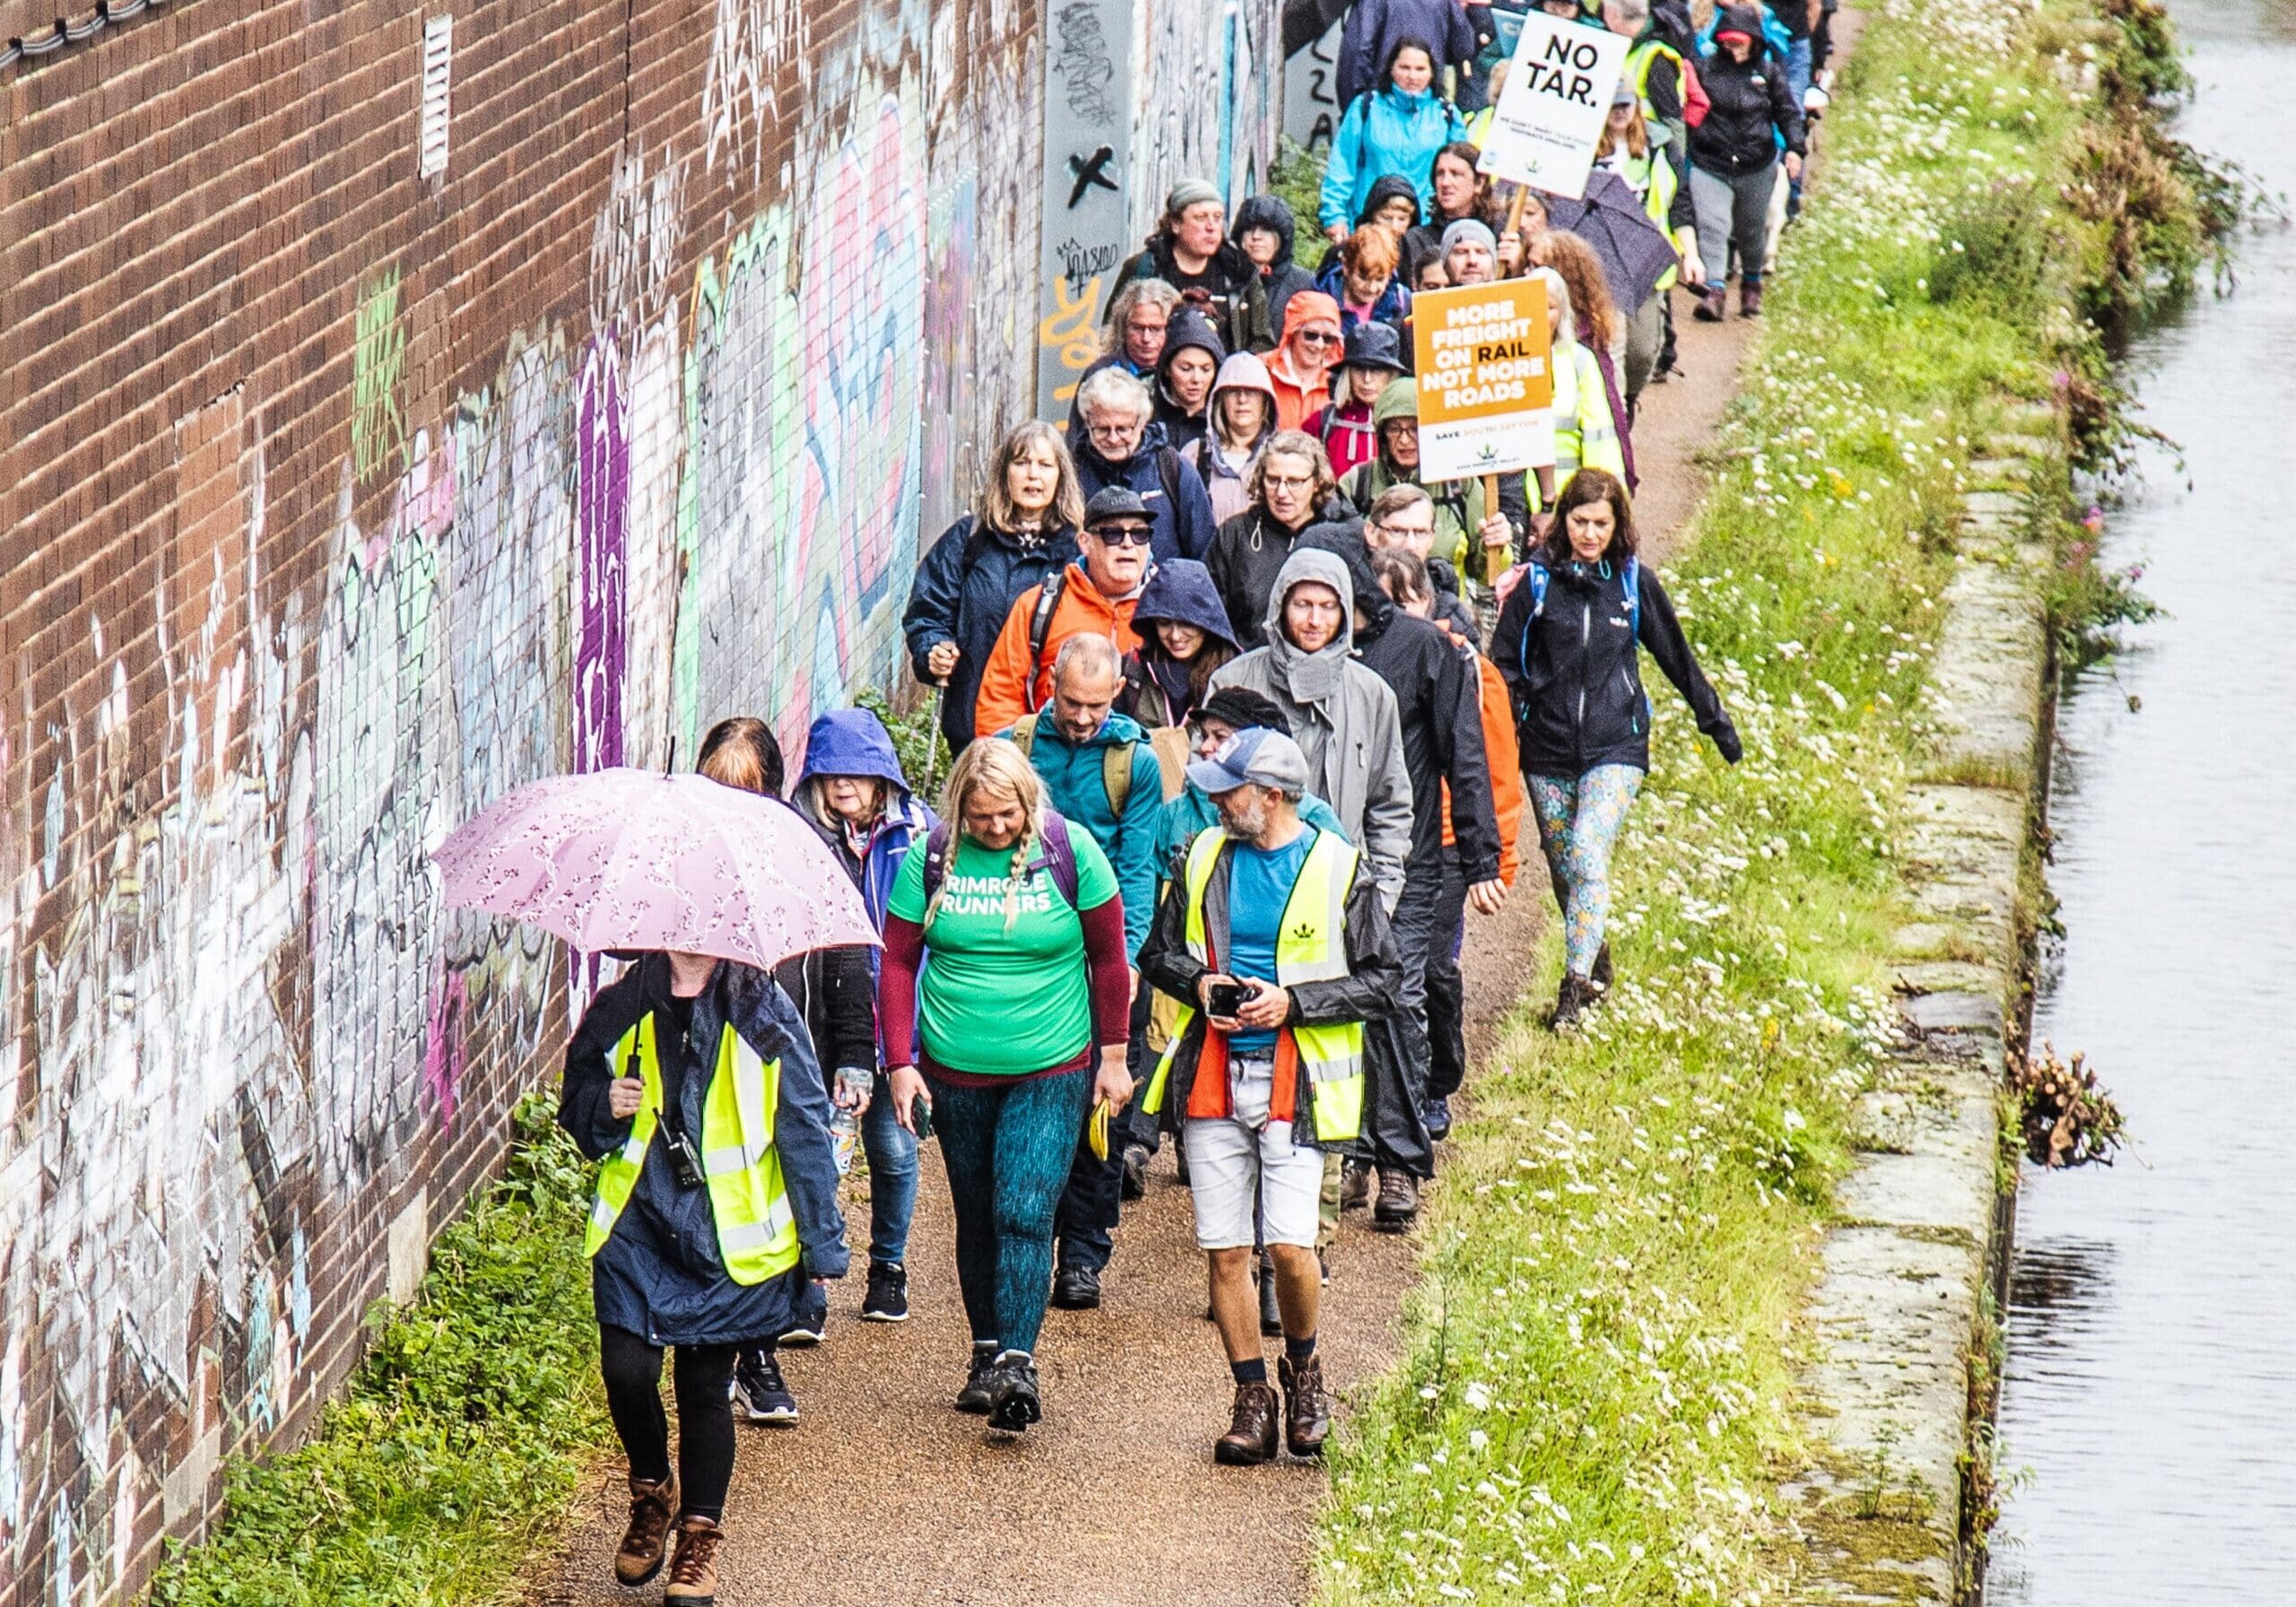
1575	679
1281	278
1752	107
1188	328
1228	291
1438	696
1248	553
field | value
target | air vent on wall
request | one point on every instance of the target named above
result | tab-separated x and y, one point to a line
437	56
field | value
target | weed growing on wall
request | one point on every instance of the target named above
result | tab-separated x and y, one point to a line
461	1439
1596	1372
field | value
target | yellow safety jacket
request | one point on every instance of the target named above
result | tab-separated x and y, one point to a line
757	1232
1311	946
1584	431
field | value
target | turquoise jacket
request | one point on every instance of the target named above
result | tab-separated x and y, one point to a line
1075	783
1192	812
1386	132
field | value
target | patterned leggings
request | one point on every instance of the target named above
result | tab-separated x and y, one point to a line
1578	825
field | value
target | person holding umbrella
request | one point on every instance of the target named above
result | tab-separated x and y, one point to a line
693	1079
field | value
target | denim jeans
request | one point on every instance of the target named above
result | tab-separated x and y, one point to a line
891	1152
1007	1152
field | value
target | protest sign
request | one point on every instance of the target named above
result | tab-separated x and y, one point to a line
1550	115
1483	379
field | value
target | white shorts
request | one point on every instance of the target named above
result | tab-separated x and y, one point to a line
1236	1161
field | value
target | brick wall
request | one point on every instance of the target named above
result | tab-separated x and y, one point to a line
338	500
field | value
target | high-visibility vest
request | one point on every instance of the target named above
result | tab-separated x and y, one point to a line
756	1233
1639	58
1584	432
1310	946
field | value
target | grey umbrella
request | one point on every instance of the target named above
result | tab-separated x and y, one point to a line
1635	252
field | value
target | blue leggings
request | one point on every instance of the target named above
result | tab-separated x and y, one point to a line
1007	1152
1579	826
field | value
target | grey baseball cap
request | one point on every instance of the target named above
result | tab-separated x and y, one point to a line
1257	757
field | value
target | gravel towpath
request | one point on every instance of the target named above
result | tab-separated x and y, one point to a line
882	1494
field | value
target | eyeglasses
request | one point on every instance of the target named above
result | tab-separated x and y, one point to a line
1316	337
1286	483
1125	535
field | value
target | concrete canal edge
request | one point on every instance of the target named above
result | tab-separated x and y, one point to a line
1898	1396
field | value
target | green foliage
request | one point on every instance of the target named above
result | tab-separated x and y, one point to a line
462	1436
1298	177
918	741
1595	1393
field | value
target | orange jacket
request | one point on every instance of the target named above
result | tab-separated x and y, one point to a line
1506	769
1010	687
1297	396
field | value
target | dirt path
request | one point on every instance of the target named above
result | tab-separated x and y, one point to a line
883	1495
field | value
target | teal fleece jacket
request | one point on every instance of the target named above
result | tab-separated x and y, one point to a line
1076	785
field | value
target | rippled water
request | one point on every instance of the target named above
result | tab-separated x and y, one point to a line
2151	1379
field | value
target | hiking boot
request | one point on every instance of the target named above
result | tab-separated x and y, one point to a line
693	1565
1601	975
1712	307
1749	299
1398	1205
974	1396
1076	1288
1013	1402
1307	1409
651	1503
1570	1001
1354	1185
1250	1439
1135	1173
887	1300
759	1393
1436	1114
1271	1319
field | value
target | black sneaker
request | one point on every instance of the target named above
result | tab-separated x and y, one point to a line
1013	1401
759	1394
887	1300
1438	1112
812	1322
1076	1288
1135	1173
974	1396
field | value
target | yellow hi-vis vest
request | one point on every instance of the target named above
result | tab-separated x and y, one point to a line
756	1233
1311	946
1639	58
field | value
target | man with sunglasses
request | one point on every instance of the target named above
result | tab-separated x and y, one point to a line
1123	448
1094	596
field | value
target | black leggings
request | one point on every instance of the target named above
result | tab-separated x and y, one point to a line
702	1374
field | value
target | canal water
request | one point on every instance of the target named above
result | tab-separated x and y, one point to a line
2151	1389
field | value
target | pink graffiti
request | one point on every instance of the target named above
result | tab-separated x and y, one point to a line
442	1053
601	515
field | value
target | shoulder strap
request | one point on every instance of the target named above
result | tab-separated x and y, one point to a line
1535	577
1630	579
1116	775
938	842
1060	855
976	544
1168	471
1041	627
1024	737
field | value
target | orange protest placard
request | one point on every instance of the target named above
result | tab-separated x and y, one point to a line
1485	386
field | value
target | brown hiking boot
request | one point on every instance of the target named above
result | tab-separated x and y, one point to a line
1749	299
1398	1205
1354	1185
694	1568
1307	1409
651	1502
1250	1439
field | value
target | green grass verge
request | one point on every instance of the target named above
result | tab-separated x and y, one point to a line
460	1439
1593	1403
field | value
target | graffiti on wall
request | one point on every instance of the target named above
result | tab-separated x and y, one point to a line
1089	182
751	44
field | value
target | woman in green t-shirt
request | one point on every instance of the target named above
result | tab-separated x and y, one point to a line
1020	1020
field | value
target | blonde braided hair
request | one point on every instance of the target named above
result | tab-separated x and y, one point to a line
995	766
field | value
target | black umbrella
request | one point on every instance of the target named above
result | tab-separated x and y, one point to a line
1635	252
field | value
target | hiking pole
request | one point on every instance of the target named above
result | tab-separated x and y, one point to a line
933	735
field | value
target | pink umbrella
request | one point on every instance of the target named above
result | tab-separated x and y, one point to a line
633	859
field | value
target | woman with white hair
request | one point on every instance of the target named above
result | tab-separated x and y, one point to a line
1019	1023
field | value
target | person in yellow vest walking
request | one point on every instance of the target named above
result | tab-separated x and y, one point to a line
1278	950
692	1082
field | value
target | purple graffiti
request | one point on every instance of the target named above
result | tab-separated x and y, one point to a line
602	513
442	1050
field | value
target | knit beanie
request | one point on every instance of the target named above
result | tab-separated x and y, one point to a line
1470	229
1190	192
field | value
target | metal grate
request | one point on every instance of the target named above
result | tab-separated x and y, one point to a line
437	58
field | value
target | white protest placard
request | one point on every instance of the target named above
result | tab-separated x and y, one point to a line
1550	115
